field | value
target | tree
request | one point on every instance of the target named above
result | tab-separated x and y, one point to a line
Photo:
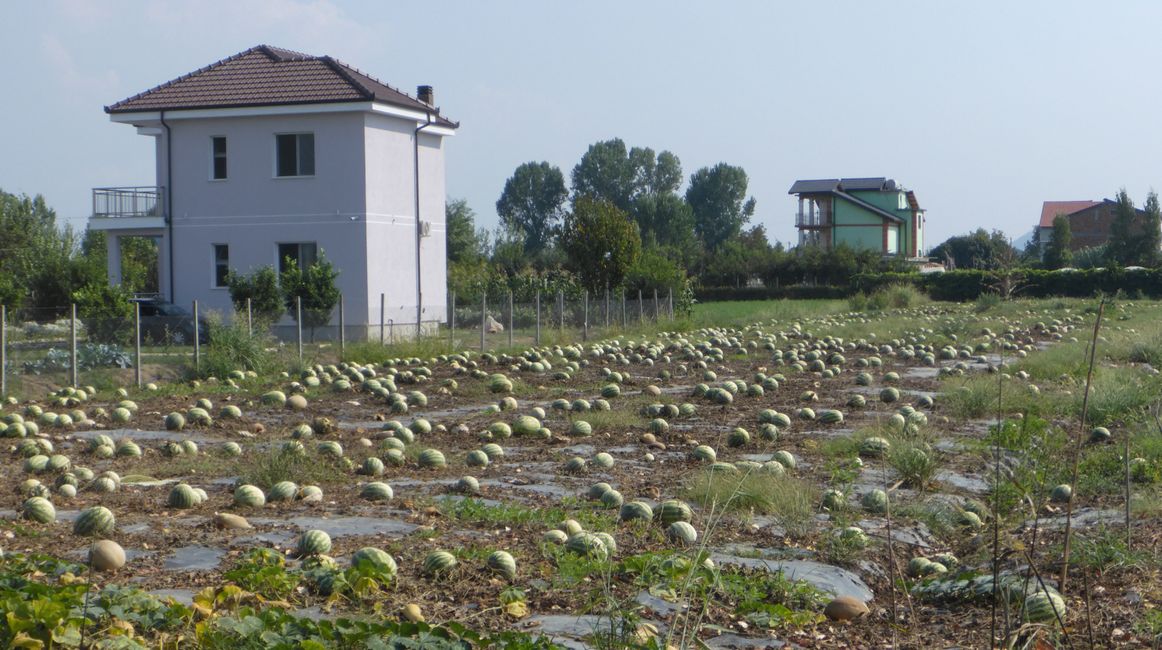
605	173
315	286
531	202
106	311
261	288
1057	252
600	242
977	250
667	220
465	243
717	195
1134	234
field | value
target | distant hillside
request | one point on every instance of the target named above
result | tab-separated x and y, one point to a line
1020	242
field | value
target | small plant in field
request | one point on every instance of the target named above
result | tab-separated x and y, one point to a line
915	462
790	500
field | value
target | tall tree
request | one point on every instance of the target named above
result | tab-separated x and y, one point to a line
601	243
667	220
721	208
605	173
465	242
1152	232
532	202
1057	252
1121	248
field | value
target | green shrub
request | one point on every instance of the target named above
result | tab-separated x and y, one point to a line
261	288
106	312
232	347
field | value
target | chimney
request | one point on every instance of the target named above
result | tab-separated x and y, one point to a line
426	95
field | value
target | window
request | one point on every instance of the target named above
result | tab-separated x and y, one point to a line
300	255
294	154
221	264
218	158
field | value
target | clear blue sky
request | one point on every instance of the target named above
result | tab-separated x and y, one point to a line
985	109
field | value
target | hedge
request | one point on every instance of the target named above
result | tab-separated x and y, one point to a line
965	285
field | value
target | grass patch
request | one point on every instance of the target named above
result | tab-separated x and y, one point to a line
790	500
510	514
277	464
915	462
1104	549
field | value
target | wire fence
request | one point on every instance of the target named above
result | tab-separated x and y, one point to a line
55	348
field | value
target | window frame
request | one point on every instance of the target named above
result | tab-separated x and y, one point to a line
215	266
298	153
214	157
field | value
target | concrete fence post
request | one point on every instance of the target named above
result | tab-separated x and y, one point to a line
249	319
585	319
137	341
538	335
197	341
382	317
670	303
299	325
73	374
342	330
483	321
3	351
510	319
607	306
561	308
641	308
656	304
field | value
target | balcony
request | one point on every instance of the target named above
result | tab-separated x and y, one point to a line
128	208
808	221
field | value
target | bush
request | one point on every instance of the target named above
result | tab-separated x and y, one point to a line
261	288
232	347
106	311
315	287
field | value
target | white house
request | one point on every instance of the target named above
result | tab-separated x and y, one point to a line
271	154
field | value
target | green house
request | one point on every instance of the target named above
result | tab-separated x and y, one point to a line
863	213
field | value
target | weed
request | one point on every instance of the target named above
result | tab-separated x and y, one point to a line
1105	550
790	500
986	302
233	347
278	464
915	462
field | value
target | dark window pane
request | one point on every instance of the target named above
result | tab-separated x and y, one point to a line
220	146
219	167
285	155
307	154
287	252
308	255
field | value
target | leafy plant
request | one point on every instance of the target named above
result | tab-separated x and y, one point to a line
315	287
261	288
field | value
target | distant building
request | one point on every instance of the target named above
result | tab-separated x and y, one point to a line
1089	222
273	157
863	213
1050	210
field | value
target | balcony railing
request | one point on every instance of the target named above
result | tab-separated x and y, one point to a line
808	220
116	202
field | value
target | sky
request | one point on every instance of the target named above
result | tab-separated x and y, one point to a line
985	109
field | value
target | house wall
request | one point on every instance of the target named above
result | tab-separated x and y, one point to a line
391	228
856	227
1089	227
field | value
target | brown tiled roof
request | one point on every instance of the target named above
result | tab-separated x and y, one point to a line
270	76
1050	210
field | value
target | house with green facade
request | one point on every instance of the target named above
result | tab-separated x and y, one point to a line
863	213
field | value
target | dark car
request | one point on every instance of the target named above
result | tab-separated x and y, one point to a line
164	323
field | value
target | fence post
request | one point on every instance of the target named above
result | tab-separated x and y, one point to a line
3	351
382	317
585	319
510	319
73	345
299	325
483	319
137	342
670	303
538	338
561	306
641	308
452	323
197	343
607	306
249	319
624	318
655	304
342	331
